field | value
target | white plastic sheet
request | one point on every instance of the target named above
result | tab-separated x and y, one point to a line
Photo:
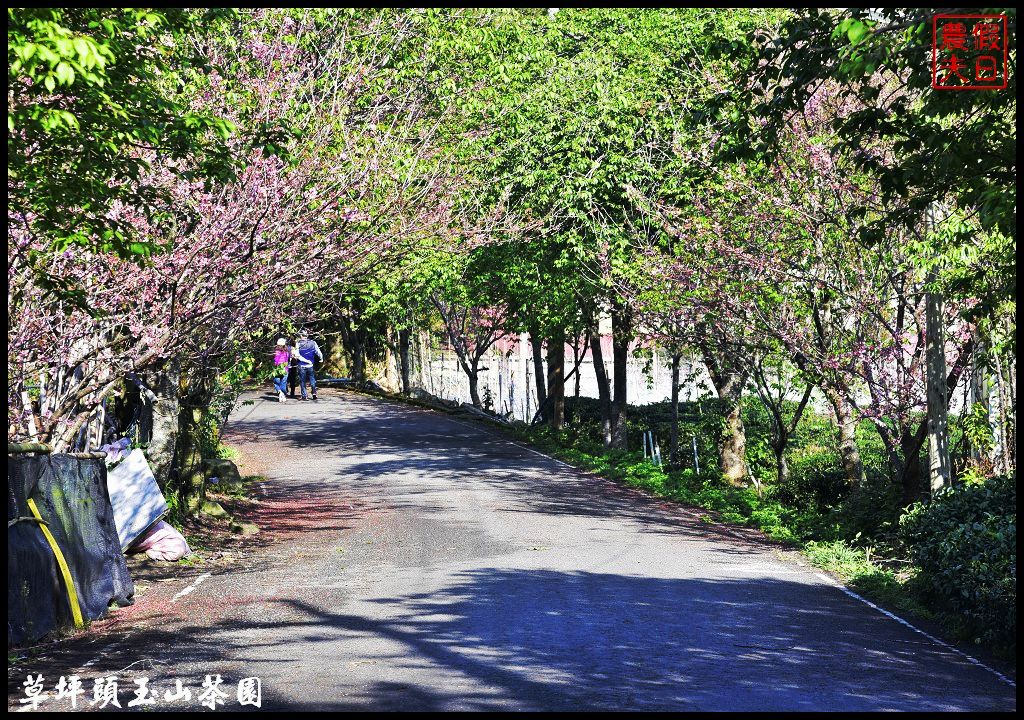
135	497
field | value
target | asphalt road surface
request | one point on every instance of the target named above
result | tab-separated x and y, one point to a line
417	562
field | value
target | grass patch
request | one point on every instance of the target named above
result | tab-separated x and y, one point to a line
896	589
228	453
241	489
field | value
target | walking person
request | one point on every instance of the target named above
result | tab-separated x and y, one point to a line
293	367
309	352
282	357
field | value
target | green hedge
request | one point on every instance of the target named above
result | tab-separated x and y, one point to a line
965	542
816	483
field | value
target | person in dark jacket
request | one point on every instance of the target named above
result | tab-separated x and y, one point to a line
309	353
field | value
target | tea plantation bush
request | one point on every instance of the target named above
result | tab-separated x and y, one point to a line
965	543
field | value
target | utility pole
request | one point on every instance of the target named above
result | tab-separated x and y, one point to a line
938	393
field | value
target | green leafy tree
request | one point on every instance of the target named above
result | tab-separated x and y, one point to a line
96	97
922	146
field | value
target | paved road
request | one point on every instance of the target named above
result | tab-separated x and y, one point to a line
422	563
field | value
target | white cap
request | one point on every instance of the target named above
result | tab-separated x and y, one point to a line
282	341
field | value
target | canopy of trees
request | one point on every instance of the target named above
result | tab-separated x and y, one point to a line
780	194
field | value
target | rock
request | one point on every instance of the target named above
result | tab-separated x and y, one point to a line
245	529
213	509
223	469
334	381
466	407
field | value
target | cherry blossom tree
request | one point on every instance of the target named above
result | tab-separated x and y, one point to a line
327	193
767	260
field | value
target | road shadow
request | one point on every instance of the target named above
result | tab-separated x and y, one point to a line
376	441
545	640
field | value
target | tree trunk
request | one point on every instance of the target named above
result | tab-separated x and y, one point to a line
911	479
938	433
729	381
603	391
358	362
904	457
538	367
732	457
1007	432
849	453
579	363
1011	394
474	389
673	453
166	408
188	481
781	466
556	380
405	359
621	331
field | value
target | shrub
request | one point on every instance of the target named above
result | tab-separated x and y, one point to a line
645	475
871	510
816	478
965	543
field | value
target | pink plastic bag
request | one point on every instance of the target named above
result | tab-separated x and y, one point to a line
162	542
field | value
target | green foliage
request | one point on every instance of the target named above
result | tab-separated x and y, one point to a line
700	419
921	145
869	512
219	401
93	95
177	513
977	429
568	117
965	542
706	490
816	481
898	590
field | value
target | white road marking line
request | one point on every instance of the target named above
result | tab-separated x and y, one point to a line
512	442
903	622
191	587
103	653
119	643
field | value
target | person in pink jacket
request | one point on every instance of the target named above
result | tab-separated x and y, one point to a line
282	356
